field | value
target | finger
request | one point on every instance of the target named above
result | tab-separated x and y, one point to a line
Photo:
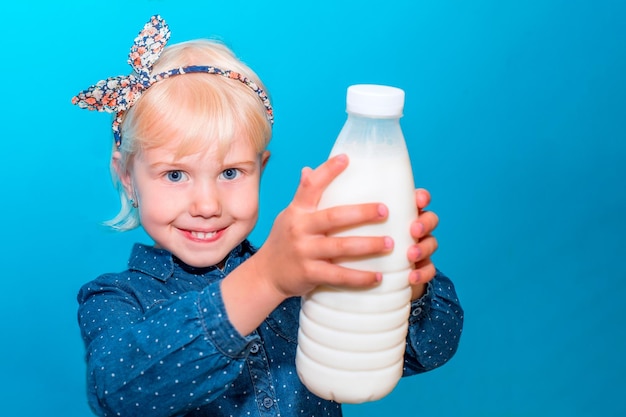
347	248
422	250
333	219
337	275
314	182
423	273
422	198
425	224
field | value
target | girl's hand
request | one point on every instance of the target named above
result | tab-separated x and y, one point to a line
426	244
297	255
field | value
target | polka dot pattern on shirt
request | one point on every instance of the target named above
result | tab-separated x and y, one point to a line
158	343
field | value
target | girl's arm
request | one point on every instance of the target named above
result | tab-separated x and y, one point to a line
155	361
435	326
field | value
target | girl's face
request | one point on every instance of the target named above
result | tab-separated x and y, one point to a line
198	207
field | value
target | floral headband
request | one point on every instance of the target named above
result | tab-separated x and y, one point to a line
118	94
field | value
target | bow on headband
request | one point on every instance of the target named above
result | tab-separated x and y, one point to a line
118	94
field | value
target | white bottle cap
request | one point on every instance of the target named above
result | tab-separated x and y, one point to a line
375	100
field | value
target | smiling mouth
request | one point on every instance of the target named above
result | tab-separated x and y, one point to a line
203	235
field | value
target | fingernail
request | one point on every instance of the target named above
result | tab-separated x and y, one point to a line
388	242
379	277
382	210
304	172
420	228
417	252
414	277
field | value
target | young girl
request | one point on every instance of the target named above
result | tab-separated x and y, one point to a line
201	323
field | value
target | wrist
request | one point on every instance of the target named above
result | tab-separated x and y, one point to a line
418	290
249	295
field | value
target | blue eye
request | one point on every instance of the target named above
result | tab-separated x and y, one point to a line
175	176
230	173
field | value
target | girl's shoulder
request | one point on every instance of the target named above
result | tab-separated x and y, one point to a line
144	264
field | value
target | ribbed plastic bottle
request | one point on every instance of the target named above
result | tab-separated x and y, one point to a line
351	342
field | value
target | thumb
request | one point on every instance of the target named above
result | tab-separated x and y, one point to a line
314	182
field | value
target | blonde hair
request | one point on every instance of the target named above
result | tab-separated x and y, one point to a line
195	109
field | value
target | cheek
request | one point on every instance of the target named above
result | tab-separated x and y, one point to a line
244	207
156	207
151	214
247	209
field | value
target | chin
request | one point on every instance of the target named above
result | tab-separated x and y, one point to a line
199	262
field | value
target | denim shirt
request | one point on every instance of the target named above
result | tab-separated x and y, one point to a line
159	343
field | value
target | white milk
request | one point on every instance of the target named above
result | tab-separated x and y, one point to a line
351	342
385	178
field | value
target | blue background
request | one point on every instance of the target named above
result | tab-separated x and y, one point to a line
515	118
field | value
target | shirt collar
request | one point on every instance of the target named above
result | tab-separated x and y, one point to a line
161	264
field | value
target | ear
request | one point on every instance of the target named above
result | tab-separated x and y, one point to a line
264	158
122	173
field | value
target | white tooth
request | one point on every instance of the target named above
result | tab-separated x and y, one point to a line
202	235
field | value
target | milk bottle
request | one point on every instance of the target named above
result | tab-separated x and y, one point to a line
351	342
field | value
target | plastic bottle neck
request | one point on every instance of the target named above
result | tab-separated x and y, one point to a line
357	116
366	135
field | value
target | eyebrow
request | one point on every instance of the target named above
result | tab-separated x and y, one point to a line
181	165
160	165
245	162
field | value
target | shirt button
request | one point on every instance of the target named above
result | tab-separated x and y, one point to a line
254	349
417	311
268	402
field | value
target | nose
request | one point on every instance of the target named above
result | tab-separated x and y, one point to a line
205	201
